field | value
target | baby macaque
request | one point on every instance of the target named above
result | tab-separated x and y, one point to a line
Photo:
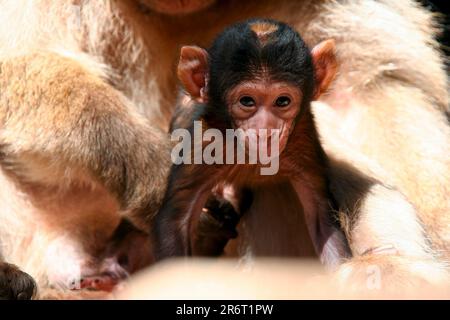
256	82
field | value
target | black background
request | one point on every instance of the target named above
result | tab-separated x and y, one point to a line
165	310
441	6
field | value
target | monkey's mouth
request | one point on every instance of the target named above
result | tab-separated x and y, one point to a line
262	145
104	282
176	7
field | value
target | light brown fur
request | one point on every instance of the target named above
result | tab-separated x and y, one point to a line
383	120
263	30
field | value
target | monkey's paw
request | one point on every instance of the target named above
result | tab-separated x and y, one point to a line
216	226
392	275
15	284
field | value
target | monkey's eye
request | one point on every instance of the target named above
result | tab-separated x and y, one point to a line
247	101
282	101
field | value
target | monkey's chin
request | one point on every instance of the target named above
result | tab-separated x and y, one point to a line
177	7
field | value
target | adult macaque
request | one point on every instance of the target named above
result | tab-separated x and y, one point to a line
83	82
75	155
257	76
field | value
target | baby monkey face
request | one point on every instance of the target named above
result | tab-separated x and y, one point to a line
265	106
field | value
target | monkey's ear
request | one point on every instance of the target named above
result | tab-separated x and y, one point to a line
325	65
193	71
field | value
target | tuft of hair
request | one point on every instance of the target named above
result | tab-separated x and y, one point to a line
263	30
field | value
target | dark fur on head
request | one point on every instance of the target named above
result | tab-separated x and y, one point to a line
238	54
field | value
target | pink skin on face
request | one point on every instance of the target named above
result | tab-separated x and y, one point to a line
265	104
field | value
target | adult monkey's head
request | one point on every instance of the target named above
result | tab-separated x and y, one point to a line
177	7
